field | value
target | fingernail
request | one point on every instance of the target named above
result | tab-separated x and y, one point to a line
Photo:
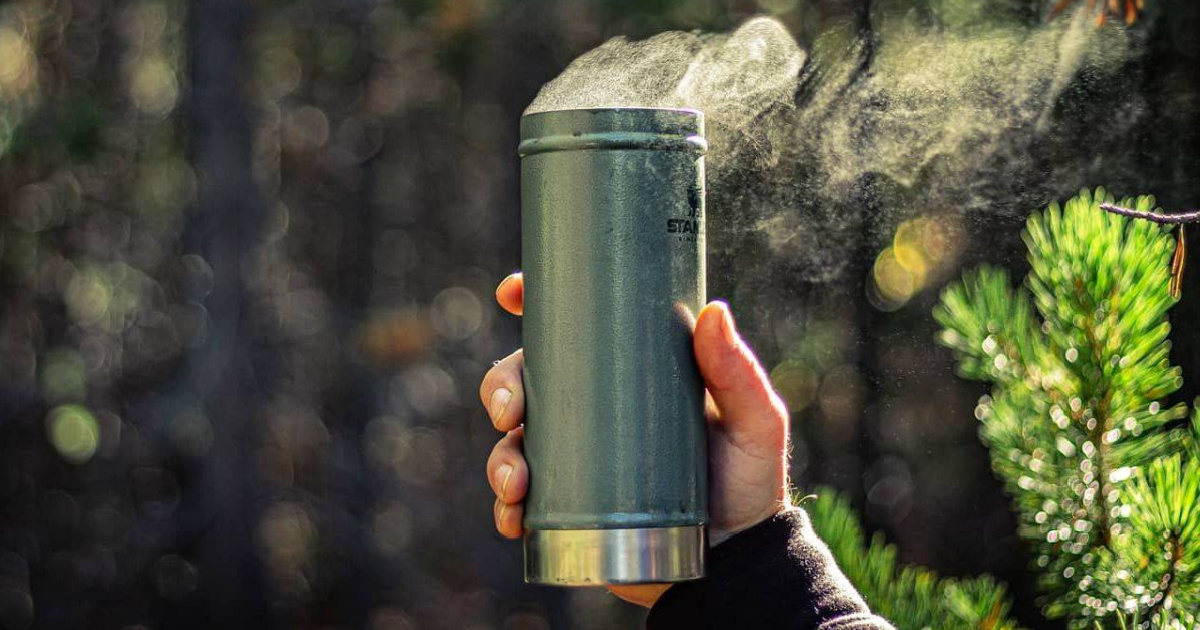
498	403
728	330
503	475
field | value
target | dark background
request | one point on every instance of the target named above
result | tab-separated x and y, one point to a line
247	252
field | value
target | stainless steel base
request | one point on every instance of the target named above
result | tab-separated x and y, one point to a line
591	557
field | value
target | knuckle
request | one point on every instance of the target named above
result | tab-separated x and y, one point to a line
506	372
508	445
506	451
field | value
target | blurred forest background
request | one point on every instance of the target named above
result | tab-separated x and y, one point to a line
247	253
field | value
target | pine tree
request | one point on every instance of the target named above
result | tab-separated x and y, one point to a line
1104	478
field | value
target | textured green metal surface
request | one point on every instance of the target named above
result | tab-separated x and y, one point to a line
613	254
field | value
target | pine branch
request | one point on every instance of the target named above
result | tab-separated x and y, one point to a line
1152	566
990	327
1077	418
911	598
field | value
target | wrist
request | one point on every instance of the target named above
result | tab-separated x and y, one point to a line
718	535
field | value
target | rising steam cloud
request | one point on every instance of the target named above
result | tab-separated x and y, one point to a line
814	151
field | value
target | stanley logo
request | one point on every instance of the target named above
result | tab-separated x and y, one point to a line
683	226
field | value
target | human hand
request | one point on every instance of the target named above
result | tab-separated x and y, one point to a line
747	433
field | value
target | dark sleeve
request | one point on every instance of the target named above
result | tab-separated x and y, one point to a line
777	574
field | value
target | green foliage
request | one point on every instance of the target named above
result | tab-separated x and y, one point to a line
911	598
1160	545
1103	477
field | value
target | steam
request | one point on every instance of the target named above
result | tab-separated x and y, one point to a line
733	78
810	151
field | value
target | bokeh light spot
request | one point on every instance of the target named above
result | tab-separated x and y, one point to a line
456	313
416	455
923	251
287	539
895	284
397	336
428	388
19	61
74	433
279	71
796	383
88	296
392	527
174	577
34	208
153	87
913	261
63	376
305	129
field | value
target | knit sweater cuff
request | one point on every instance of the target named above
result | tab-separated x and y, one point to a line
776	574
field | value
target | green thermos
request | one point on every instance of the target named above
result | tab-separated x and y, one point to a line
612	225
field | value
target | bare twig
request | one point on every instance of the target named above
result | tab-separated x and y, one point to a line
1188	216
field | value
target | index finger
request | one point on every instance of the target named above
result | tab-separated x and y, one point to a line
511	293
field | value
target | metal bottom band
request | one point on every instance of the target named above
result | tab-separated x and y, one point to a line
591	557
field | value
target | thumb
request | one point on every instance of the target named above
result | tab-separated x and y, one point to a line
749	409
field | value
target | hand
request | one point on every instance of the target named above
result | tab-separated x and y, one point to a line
747	433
